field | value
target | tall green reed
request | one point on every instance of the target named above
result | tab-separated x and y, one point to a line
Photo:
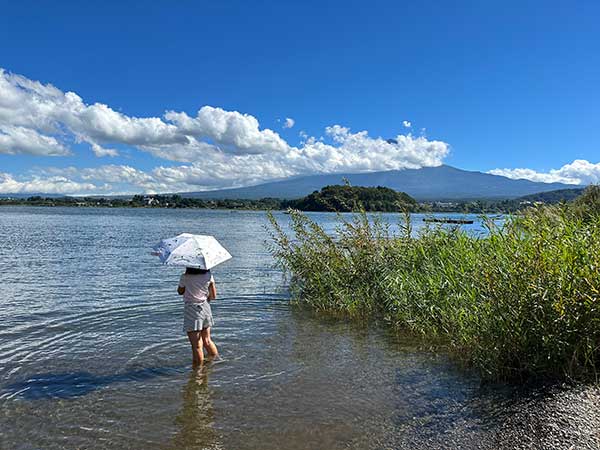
520	301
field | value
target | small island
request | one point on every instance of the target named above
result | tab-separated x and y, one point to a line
346	198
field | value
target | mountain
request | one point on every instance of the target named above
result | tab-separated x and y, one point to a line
428	183
552	197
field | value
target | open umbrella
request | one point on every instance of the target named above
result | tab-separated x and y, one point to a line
191	250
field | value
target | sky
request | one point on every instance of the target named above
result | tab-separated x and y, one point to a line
135	96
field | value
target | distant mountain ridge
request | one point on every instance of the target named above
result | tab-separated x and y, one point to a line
425	184
428	183
562	195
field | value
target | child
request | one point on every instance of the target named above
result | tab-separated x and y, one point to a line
198	288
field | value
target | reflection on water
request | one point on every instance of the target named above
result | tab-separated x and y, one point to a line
196	421
92	354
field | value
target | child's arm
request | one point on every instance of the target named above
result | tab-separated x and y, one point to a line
212	290
181	287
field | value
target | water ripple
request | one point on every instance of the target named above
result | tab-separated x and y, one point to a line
92	354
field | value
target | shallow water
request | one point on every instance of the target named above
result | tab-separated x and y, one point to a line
92	354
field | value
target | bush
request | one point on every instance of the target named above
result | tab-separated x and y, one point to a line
521	301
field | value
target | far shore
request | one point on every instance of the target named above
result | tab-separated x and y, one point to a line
234	208
265	204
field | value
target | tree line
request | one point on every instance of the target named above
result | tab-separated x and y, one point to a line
336	198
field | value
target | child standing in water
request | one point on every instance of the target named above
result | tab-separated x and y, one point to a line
198	288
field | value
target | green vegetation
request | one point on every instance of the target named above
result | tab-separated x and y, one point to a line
521	302
348	198
553	197
503	206
147	201
330	198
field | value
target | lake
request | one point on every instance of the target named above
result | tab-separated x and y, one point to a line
92	354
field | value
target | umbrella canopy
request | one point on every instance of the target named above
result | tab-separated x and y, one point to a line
191	250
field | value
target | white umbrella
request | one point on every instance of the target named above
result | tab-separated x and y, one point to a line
191	250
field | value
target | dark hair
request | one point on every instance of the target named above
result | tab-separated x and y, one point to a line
195	271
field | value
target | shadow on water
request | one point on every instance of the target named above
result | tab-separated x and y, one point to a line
76	384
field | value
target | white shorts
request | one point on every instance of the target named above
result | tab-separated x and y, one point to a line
197	316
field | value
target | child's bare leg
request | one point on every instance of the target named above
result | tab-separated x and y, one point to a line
195	338
208	344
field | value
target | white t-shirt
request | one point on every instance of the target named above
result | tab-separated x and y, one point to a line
196	286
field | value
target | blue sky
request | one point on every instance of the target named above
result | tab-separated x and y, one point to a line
489	86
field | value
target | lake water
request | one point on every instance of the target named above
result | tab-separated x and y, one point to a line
92	355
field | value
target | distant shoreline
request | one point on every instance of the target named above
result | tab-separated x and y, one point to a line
217	208
3	204
334	198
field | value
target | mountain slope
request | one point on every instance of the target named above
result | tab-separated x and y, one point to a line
552	197
428	183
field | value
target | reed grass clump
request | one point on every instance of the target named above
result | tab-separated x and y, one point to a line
519	301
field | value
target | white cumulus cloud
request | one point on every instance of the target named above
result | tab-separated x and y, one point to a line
47	185
215	147
48	114
289	122
16	139
580	171
232	131
406	124
100	151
